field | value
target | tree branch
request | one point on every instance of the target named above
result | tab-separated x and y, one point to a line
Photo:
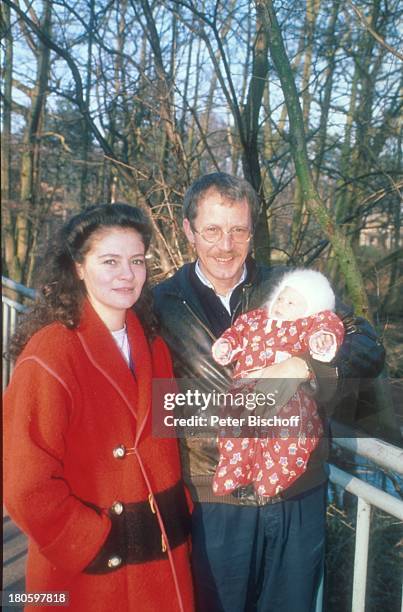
377	36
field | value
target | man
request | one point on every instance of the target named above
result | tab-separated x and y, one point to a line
248	553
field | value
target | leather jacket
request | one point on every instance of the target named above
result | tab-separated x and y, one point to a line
185	328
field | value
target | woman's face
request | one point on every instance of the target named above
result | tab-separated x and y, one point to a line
113	272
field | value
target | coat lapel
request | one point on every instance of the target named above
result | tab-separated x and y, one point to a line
141	356
102	351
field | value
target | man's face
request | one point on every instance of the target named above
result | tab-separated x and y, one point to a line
221	262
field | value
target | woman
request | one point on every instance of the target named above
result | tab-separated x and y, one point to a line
101	500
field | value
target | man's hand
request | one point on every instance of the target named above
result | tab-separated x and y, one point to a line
281	379
293	368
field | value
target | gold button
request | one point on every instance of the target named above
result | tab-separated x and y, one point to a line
117	507
119	452
114	561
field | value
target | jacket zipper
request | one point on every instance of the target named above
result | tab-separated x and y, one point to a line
240	303
199	321
204	326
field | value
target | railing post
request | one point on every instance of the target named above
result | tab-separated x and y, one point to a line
319	595
6	334
10	311
361	555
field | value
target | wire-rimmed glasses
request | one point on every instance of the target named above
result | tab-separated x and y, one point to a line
214	233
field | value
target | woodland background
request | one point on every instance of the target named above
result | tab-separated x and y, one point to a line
130	100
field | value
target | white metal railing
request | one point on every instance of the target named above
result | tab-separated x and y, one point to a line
10	311
381	454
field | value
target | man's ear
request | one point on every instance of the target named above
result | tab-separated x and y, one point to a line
188	231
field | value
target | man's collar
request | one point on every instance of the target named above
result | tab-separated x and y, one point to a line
225	299
203	278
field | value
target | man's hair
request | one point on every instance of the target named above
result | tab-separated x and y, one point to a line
231	187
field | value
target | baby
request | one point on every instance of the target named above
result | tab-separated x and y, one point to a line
296	320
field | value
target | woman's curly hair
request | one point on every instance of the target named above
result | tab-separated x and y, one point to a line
62	294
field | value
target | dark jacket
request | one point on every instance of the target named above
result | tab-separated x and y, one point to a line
185	328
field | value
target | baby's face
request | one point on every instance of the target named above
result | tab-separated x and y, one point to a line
289	305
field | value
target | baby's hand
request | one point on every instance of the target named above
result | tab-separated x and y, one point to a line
221	351
323	345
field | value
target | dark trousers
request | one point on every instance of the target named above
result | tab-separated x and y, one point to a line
259	559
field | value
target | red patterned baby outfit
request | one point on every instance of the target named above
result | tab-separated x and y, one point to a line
257	341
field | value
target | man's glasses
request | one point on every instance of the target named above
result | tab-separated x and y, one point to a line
213	234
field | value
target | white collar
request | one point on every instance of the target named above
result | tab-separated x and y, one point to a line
225	299
122	341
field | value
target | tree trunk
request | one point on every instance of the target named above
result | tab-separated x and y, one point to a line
165	93
300	219
250	118
28	221
86	130
340	244
8	219
331	45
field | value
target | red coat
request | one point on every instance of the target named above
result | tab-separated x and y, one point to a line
72	409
